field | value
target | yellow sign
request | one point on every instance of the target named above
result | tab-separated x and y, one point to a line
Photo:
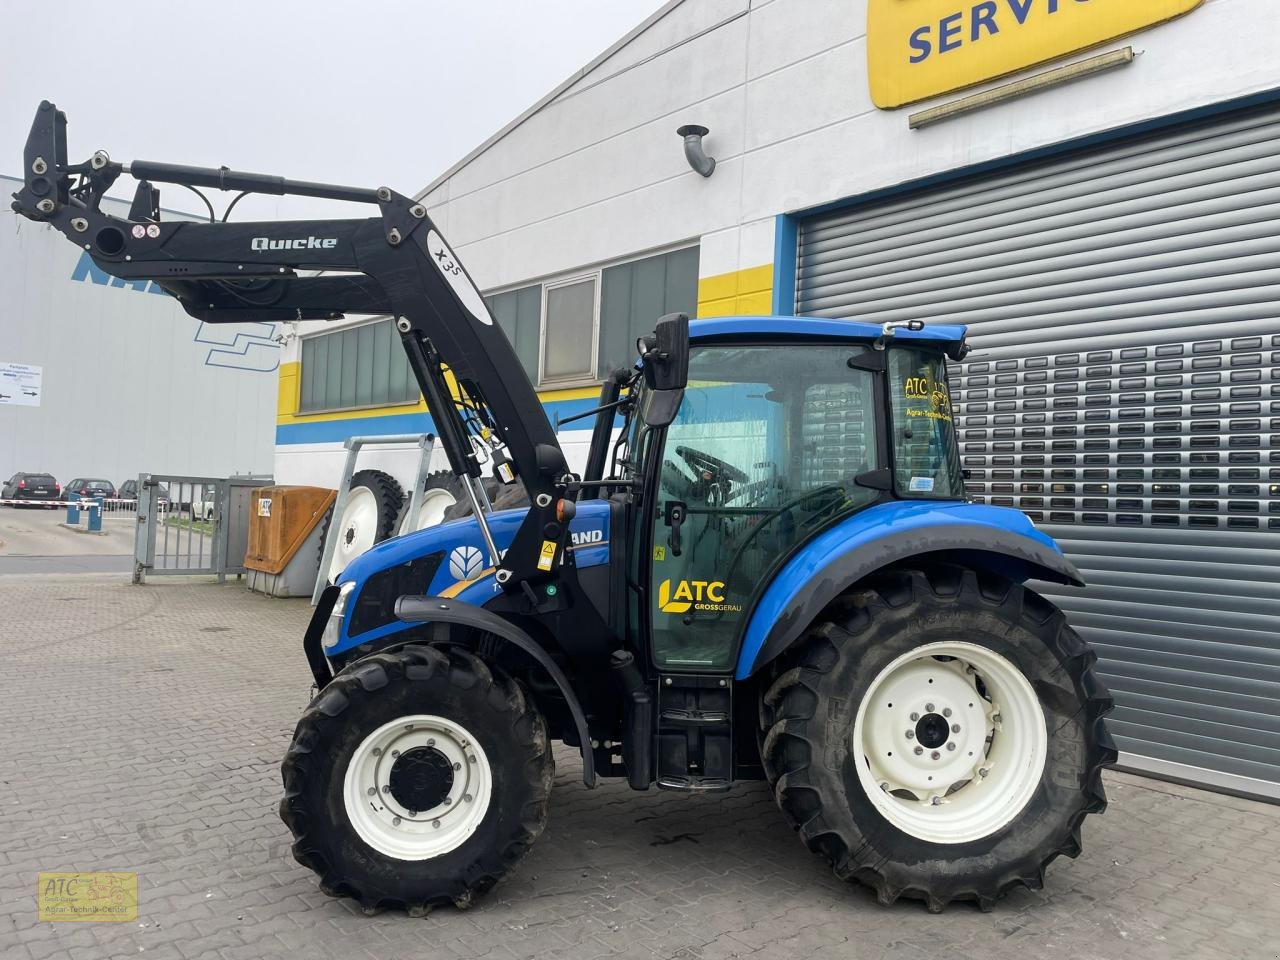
109	897
917	49
548	555
707	595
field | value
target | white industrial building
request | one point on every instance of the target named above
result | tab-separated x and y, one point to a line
1092	186
128	382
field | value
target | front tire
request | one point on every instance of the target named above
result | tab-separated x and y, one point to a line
940	737
417	777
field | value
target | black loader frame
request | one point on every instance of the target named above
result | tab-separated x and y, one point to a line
395	263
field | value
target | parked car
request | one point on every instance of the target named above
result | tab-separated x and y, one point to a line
90	487
31	486
129	491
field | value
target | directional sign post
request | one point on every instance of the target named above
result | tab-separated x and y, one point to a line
20	384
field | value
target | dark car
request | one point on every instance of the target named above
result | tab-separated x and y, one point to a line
129	491
31	486
89	487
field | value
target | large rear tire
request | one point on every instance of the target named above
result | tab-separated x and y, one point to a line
417	777
939	736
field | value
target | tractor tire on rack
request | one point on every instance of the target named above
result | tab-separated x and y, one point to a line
416	778
369	517
938	735
439	494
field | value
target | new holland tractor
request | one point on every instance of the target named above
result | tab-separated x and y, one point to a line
767	569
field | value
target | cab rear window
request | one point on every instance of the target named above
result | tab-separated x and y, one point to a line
926	458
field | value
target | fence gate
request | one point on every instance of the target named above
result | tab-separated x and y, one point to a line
192	525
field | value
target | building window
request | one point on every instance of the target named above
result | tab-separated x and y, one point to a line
519	313
568	332
362	366
634	295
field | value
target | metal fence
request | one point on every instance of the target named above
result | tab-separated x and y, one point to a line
192	525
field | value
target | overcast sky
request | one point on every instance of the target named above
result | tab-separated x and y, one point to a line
366	93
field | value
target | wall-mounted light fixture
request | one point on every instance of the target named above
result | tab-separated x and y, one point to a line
1021	88
693	152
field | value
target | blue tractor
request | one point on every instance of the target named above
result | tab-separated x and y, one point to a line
768	569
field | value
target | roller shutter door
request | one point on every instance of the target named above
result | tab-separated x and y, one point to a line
1124	390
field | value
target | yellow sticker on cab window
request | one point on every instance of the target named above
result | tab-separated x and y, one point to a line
548	555
110	897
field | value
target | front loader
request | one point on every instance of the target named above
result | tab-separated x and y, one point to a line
768	569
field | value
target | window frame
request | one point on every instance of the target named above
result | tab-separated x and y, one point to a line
571	380
318	334
595	271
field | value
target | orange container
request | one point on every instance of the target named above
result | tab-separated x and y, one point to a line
280	520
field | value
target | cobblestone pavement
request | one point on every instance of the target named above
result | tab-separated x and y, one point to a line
143	728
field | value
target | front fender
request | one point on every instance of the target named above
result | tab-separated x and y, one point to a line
993	538
446	610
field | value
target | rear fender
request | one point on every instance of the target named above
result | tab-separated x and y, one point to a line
997	539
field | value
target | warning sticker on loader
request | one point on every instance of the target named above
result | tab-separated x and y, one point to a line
548	555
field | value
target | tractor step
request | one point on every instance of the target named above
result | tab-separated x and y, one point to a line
695	733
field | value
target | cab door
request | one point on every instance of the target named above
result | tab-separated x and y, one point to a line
762	454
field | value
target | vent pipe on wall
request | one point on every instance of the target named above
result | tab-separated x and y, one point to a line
693	152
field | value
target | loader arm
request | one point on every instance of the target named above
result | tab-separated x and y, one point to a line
395	263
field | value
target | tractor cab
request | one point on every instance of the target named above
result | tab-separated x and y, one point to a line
786	427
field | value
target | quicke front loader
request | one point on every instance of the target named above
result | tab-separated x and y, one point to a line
767	569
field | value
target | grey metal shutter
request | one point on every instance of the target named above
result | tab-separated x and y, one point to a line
1124	390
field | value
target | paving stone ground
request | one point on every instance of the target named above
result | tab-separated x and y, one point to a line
142	728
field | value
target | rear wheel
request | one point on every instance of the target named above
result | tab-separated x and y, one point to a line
417	777
940	737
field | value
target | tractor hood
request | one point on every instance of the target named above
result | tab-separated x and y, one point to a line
462	540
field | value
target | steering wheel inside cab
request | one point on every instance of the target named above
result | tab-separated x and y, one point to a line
714	481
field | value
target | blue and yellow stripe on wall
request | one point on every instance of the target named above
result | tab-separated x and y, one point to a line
293	426
747	292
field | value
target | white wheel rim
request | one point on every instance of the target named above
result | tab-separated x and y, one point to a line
389	826
357	531
430	511
986	770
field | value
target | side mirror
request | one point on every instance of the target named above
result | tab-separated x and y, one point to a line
664	358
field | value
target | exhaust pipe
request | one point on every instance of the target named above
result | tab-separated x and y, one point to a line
693	152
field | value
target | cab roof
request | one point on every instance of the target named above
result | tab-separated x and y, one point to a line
944	334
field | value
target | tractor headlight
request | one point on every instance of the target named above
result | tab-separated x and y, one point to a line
333	628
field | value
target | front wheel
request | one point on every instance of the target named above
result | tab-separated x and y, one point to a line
417	777
940	737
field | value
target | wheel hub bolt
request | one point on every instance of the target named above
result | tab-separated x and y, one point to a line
466	798
457	766
387	788
928	708
471	759
395	821
951	746
935	755
395	753
373	791
448	800
436	824
946	711
377	751
915	716
955	728
984	771
911	734
431	742
919	750
408	726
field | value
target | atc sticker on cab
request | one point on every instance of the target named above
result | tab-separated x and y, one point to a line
110	897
